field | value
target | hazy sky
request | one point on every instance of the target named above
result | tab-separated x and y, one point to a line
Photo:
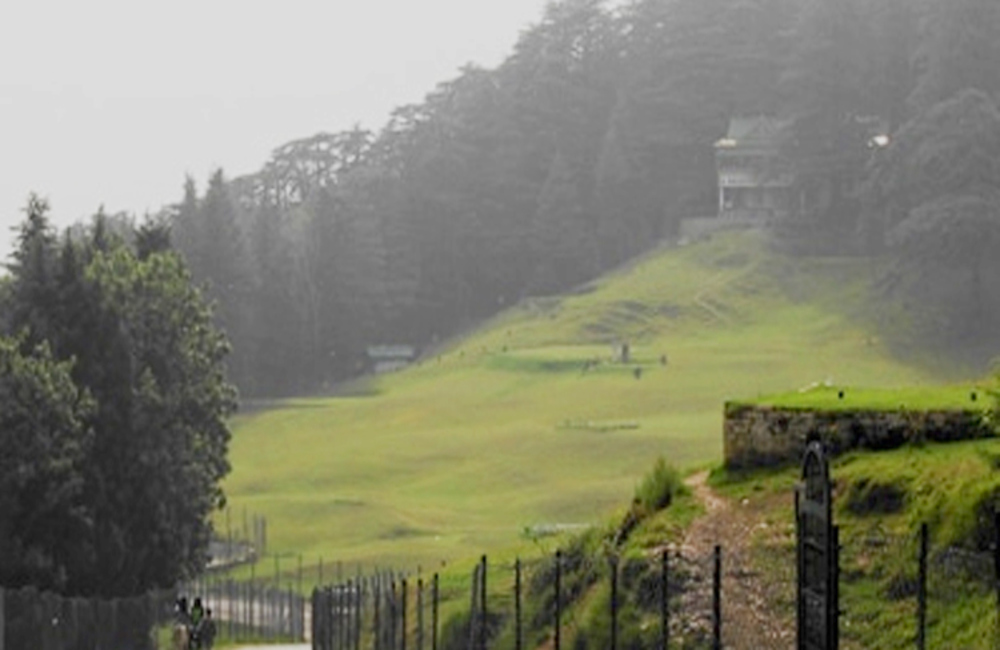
113	101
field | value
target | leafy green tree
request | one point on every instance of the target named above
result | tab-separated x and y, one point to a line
936	189
161	434
46	441
137	338
960	50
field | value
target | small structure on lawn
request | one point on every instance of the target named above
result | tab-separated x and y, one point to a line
390	358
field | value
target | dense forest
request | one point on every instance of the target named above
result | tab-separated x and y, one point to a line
589	144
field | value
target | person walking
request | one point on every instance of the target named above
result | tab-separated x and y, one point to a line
207	632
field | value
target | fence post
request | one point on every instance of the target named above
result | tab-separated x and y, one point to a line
614	602
402	611
558	597
339	617
250	590
315	621
996	567
420	614
483	631
717	599
665	598
352	587
393	617
376	596
358	620
517	605
434	614
922	591
834	632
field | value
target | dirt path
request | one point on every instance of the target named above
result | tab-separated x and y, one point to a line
755	608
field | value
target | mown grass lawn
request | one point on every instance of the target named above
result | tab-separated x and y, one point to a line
532	421
975	396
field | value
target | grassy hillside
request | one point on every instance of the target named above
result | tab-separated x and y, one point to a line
531	422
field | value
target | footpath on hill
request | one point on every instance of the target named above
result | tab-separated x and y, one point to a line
754	605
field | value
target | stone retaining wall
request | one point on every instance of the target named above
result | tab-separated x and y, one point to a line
760	436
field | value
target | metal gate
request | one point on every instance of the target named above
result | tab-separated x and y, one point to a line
817	555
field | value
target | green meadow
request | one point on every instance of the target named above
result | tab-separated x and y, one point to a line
532	423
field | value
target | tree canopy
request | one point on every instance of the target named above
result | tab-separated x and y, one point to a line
114	398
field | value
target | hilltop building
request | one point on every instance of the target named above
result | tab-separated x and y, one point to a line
755	187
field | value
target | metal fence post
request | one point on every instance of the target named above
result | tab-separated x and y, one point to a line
376	596
614	603
717	599
922	591
434	614
996	567
402	614
393	617
483	631
558	597
517	604
665	598
359	603
420	614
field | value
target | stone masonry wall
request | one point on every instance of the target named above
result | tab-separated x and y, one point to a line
760	436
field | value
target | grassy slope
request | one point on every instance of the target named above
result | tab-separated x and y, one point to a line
503	430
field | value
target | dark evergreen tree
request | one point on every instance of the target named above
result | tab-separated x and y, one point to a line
44	519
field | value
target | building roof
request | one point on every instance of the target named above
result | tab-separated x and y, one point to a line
755	130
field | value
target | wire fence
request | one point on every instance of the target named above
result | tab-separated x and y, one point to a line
670	599
896	591
906	591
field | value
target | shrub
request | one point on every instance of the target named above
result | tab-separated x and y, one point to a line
659	486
